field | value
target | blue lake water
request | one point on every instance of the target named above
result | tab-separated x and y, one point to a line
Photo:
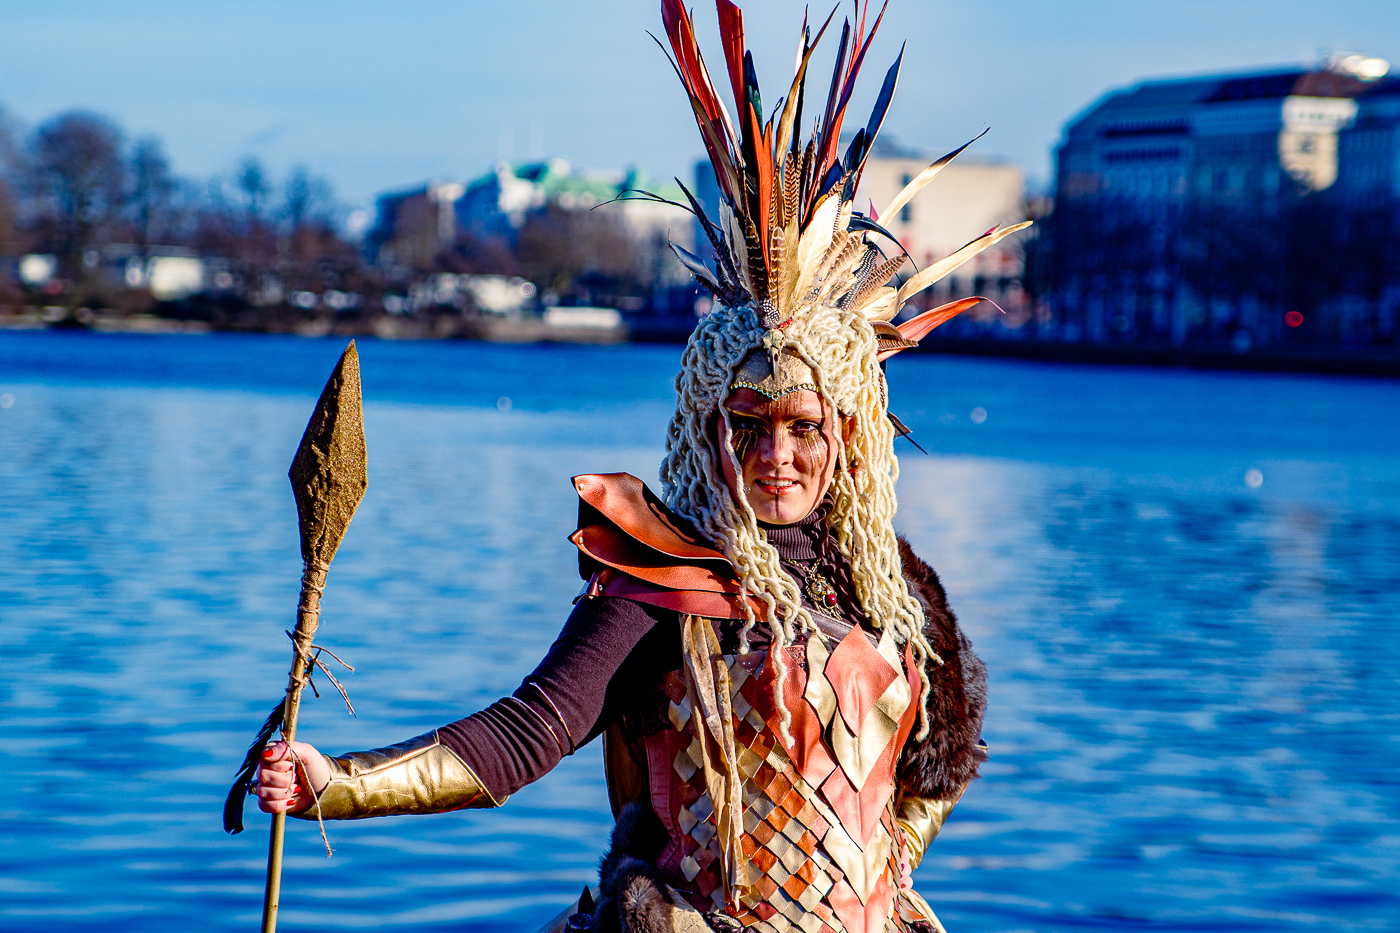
1194	719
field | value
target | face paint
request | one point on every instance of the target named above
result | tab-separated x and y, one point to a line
786	448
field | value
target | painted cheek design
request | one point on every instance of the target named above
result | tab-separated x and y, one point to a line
808	434
743	440
811	445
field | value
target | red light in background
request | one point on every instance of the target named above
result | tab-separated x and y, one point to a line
1293	318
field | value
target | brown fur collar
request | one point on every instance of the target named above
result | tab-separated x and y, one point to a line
942	763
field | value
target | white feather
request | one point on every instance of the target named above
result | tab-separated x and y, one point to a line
816	240
881	306
941	268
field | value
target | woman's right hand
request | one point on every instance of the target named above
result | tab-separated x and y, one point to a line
285	772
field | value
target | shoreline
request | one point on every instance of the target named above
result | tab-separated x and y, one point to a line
1321	360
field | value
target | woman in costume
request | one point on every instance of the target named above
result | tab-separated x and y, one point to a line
788	708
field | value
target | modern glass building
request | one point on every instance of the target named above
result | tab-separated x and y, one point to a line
1230	209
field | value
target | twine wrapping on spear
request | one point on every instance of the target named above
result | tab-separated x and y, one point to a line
328	478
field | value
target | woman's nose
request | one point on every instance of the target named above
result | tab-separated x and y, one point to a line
777	448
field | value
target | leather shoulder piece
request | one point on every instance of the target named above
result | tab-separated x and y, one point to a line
633	547
941	764
625	501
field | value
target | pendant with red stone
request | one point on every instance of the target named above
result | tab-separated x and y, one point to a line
820	591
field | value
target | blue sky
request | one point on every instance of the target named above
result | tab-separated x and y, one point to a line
379	95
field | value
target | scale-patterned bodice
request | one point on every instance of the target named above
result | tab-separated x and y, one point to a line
818	837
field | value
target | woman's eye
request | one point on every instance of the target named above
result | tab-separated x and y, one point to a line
805	427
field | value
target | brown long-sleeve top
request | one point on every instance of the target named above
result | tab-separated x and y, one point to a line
609	660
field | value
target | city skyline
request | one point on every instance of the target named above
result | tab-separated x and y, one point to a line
377	100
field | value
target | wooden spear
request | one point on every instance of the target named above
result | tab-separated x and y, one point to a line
328	479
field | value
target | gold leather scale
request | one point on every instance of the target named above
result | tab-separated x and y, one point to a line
921	819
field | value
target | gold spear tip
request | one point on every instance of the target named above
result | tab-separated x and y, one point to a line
329	473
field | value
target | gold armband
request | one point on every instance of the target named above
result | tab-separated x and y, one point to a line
417	776
921	819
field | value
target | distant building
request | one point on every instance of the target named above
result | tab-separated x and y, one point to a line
169	273
1250	135
414	226
970	196
1179	202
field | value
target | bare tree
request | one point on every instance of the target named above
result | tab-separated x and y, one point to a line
307	203
152	190
306	198
557	247
77	171
10	170
253	185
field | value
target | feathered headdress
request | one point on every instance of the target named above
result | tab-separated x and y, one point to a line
787	237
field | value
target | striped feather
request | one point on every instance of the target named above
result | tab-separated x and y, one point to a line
791	188
875	280
880	305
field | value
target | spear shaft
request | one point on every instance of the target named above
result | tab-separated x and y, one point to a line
328	479
313	582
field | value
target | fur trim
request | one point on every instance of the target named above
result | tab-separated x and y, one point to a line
633	896
629	886
942	763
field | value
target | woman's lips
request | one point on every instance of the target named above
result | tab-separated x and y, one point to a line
777	487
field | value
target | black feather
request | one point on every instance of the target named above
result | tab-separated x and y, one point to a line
902	430
697	267
835	91
724	263
861	222
643	195
751	86
882	106
855	152
233	805
711	229
801	93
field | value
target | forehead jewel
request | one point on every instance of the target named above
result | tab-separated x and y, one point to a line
773	375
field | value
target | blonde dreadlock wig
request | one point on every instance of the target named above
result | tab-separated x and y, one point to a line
802	295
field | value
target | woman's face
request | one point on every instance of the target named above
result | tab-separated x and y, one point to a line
787	449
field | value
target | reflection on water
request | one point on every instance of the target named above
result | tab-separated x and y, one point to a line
1193	702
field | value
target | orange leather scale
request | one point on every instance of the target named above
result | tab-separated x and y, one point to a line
631	546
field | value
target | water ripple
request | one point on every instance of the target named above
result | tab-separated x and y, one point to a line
1193	718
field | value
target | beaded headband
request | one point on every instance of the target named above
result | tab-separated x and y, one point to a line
774	375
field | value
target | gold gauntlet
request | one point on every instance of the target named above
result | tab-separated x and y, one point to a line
921	819
417	776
